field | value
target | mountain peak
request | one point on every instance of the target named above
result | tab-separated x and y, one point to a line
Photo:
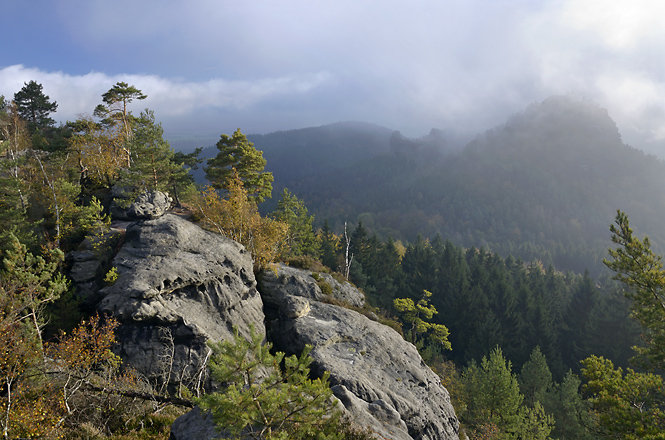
559	124
566	115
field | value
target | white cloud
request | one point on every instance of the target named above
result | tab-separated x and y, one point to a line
405	65
636	102
620	24
79	94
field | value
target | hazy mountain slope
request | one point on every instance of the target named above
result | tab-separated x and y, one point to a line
544	185
296	154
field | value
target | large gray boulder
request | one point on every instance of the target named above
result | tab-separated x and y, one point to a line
178	287
149	205
379	377
279	282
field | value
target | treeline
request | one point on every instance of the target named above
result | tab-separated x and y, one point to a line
487	300
534	353
55	182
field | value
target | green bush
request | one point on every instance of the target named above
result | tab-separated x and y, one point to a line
285	404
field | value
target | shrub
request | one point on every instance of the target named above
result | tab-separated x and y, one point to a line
286	404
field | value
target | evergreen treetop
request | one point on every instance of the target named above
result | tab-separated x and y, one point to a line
236	152
34	106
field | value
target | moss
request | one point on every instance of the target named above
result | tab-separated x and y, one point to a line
325	287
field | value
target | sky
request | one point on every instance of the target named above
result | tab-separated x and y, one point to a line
212	66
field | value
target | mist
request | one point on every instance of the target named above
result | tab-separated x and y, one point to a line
211	68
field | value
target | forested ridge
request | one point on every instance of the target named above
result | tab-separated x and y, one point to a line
476	256
544	185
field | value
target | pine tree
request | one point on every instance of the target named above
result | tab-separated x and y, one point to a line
358	243
114	112
493	393
636	265
237	153
154	166
573	339
627	406
419	268
457	306
34	106
570	412
389	260
535	378
269	396
327	248
185	180
494	399
14	182
419	315
32	280
300	238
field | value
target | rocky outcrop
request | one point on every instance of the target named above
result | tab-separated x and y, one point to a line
148	205
152	204
280	282
379	377
178	287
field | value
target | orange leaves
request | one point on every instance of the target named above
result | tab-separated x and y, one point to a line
236	216
34	412
28	407
88	345
38	393
97	151
20	351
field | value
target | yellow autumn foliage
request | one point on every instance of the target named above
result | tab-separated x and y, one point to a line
237	217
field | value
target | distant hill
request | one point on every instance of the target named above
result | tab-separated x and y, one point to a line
323	155
294	155
545	185
302	155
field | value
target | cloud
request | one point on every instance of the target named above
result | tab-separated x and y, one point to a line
409	66
618	25
610	52
79	94
637	103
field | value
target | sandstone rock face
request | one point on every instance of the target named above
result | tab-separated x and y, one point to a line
149	205
284	281
179	286
380	378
